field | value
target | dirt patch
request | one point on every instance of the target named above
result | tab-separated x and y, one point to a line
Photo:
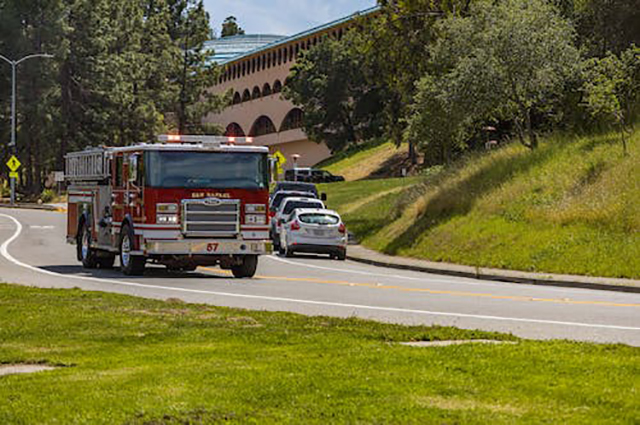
452	403
13	369
447	343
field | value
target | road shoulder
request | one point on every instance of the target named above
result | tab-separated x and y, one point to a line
364	255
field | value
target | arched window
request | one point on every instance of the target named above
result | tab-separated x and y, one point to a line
266	89
234	130
255	94
246	95
279	57
277	86
292	120
297	49
244	69
263	125
237	98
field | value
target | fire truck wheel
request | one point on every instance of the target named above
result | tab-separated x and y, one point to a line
86	254
131	265
247	268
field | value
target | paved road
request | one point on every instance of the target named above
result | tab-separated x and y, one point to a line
33	251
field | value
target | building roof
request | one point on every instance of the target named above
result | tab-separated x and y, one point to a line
227	48
280	40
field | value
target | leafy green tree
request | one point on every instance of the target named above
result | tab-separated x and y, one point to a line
341	105
399	38
230	27
506	60
607	26
194	74
439	122
612	89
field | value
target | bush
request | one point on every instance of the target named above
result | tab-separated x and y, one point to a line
47	195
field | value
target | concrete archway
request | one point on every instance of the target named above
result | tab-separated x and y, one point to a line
256	94
262	126
292	120
234	130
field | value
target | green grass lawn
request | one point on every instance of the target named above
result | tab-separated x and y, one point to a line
571	206
135	361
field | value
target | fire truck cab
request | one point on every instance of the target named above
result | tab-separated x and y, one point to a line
185	202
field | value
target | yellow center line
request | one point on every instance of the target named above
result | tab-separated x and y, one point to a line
432	291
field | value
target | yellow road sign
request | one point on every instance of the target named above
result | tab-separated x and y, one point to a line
13	175
13	163
281	161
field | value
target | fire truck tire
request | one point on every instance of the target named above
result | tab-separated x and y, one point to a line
131	265
86	254
247	268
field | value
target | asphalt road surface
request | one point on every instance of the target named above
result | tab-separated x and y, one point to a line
33	252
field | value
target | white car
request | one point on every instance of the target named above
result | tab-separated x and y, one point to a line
285	210
318	231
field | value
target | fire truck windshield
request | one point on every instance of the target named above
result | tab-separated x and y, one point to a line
222	170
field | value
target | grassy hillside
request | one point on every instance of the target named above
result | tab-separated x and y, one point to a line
367	161
572	206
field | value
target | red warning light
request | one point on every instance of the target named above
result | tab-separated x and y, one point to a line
232	139
249	139
174	138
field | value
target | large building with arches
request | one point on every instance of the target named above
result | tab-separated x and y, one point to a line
255	69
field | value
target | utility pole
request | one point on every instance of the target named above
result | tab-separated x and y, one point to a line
12	145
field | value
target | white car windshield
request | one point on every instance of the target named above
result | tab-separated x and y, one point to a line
319	219
290	206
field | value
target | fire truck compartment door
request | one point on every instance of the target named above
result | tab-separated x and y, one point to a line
213	247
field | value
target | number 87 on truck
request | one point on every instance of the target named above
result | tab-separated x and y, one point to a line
182	202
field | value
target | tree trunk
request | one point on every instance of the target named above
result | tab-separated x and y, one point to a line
533	139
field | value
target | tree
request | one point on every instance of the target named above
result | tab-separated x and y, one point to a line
194	74
612	89
230	27
607	26
399	38
438	121
341	105
506	60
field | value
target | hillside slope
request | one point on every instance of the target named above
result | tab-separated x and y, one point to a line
375	161
571	206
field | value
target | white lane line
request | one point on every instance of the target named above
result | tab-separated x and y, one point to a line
5	253
41	227
451	280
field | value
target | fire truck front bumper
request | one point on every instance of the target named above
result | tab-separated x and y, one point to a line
208	247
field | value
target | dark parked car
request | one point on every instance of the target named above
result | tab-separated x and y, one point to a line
312	175
296	186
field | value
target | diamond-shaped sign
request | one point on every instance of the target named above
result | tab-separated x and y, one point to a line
13	163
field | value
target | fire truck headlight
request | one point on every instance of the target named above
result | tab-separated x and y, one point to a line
167	208
167	219
255	208
255	219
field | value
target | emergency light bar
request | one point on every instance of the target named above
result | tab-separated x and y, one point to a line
216	140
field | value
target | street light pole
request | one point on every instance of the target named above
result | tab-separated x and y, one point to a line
12	145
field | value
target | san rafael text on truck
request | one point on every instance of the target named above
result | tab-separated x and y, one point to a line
183	202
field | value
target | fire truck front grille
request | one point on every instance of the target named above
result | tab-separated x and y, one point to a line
211	218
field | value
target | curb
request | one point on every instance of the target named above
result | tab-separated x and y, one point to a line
511	276
43	207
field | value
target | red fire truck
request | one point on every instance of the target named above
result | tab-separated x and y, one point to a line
184	202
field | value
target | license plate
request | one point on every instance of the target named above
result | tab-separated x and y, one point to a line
318	232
